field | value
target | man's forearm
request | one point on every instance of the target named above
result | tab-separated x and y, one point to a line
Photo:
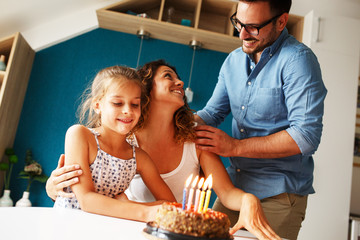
276	145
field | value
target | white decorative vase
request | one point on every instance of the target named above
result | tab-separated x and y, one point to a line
24	201
5	200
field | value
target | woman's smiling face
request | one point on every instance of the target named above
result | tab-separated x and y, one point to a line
167	87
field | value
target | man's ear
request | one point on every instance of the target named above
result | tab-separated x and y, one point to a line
282	21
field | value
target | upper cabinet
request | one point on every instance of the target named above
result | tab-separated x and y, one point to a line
206	21
19	57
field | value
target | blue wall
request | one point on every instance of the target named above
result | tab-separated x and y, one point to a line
61	73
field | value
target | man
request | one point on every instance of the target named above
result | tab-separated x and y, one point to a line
273	87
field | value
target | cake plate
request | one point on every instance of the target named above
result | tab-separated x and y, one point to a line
154	233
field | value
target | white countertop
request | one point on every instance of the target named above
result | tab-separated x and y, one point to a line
49	223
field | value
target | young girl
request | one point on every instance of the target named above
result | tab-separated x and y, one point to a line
111	111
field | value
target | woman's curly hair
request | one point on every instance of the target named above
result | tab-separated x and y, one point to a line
183	117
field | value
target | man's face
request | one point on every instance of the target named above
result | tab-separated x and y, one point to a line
256	13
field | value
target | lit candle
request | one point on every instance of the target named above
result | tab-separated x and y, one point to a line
208	193
202	194
187	183
197	194
201	201
191	193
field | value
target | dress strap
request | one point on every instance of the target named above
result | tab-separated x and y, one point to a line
134	152
131	139
96	134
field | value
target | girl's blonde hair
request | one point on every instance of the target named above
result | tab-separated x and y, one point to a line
105	79
183	117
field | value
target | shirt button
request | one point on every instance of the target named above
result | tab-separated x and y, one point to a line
251	67
249	83
238	170
242	130
242	107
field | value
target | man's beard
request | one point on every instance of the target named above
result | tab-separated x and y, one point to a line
271	39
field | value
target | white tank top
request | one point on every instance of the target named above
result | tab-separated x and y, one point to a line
175	179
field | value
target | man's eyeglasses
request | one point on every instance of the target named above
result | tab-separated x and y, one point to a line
250	28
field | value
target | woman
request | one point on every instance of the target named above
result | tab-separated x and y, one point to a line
168	137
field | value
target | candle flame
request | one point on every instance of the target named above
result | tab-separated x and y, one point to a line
188	180
201	182
193	185
208	182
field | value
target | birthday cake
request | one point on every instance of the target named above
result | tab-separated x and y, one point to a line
211	224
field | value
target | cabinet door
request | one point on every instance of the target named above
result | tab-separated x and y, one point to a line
336	43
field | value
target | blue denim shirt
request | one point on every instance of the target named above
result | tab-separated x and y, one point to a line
283	91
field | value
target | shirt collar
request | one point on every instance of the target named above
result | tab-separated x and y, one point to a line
275	46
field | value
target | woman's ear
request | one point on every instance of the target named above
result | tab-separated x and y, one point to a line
282	21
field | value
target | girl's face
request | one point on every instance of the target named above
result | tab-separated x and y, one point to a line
167	87
120	107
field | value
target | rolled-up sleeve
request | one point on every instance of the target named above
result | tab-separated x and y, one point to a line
304	93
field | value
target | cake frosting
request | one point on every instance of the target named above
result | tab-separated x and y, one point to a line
211	224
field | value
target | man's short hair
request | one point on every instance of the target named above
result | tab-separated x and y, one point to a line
276	6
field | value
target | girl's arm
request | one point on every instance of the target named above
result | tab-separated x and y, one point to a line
79	150
251	214
151	177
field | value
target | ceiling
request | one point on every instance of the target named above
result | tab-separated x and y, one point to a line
22	15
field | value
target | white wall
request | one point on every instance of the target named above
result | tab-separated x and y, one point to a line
346	8
65	27
338	54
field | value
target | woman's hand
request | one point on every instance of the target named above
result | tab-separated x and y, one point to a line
253	219
62	177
